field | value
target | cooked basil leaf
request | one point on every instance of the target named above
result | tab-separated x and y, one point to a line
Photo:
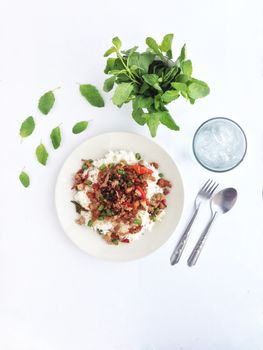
78	207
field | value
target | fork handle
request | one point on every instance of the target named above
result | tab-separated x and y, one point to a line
179	248
200	243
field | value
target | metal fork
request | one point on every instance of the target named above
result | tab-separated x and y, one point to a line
204	194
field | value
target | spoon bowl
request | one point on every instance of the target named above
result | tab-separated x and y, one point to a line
221	203
224	200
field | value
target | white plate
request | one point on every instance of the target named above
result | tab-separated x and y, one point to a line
88	240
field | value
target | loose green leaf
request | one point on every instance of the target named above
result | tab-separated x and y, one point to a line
42	154
179	86
122	93
153	122
24	179
80	127
169	96
108	84
27	127
155	48
187	67
198	89
166	45
139	116
167	120
92	95
46	102
110	51
116	42
55	137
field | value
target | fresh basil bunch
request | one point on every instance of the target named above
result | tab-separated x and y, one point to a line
151	80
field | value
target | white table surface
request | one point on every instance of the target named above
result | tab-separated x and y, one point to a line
52	295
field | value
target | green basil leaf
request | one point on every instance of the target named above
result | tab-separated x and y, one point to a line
122	78
166	44
24	179
122	93
142	102
152	80
27	127
153	122
197	89
109	65
130	51
167	120
116	42
157	102
182	56
155	48
141	61
182	78
46	102
42	154
138	116
108	84
92	95
169	96
110	51
184	94
55	137
80	127
187	67
179	86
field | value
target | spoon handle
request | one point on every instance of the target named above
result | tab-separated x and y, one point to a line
179	248
200	243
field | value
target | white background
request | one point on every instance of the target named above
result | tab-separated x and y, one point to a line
52	295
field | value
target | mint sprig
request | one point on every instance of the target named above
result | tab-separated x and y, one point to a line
151	80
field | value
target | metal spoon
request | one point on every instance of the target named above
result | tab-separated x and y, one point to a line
221	203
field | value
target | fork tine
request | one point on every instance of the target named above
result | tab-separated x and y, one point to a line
208	185
201	189
213	188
